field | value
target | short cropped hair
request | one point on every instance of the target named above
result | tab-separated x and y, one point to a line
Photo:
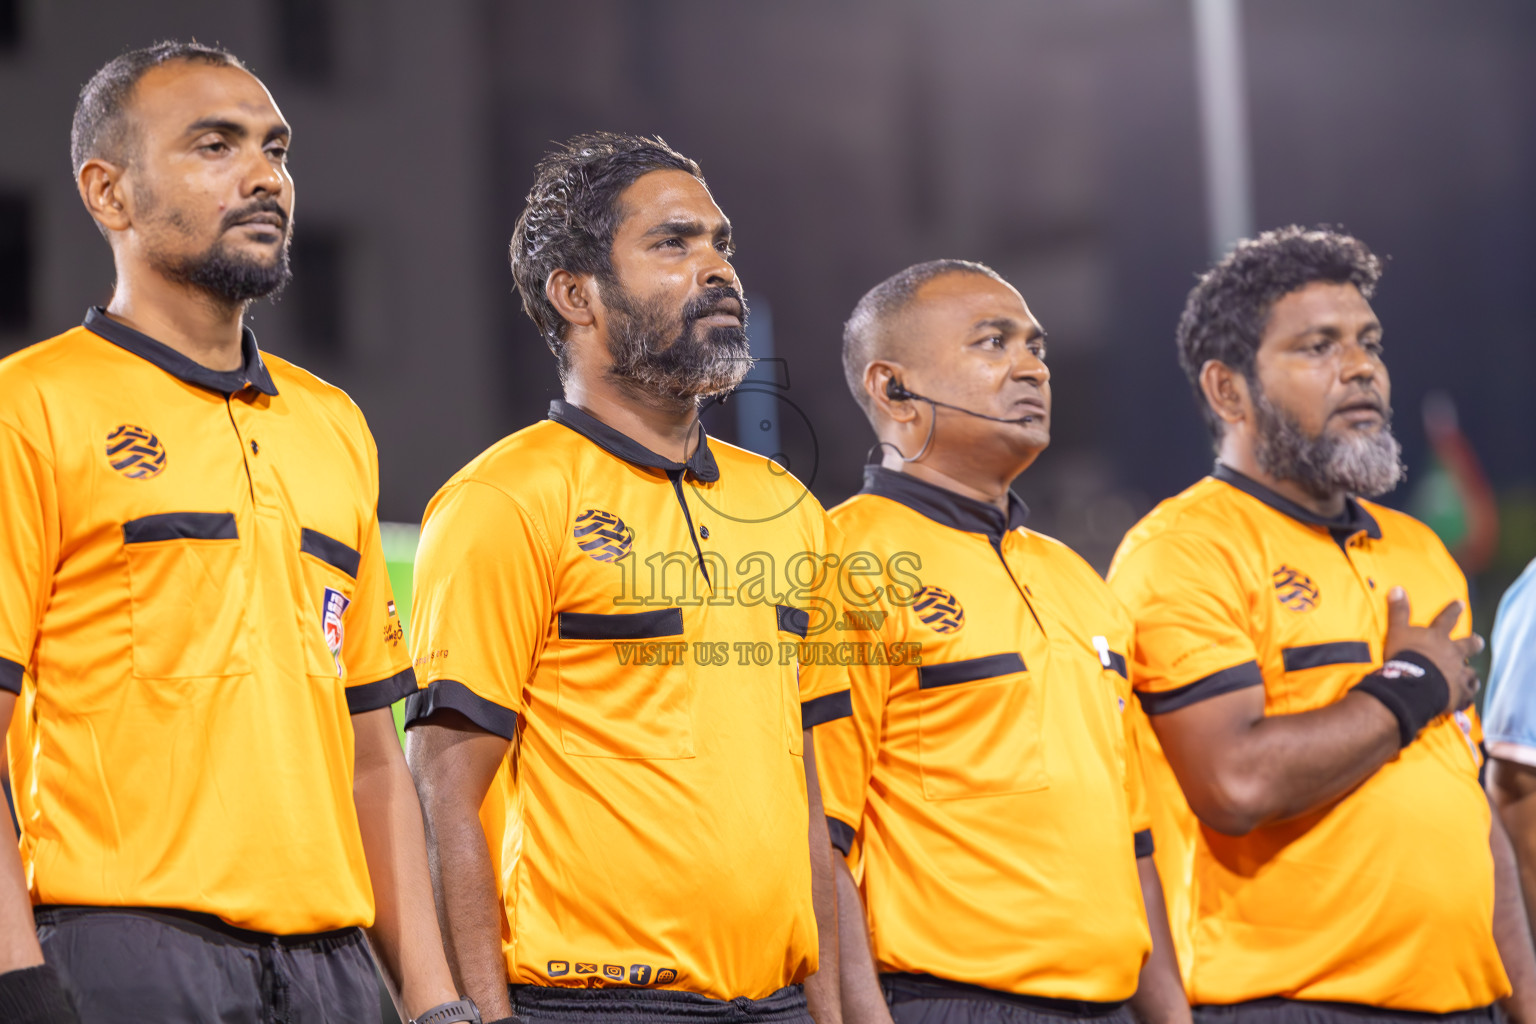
572	212
1226	312
101	129
865	333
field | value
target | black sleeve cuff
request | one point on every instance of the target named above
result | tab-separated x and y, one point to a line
1238	677
10	675
1143	842
842	834
35	995
381	694
455	696
821	710
1412	688
793	620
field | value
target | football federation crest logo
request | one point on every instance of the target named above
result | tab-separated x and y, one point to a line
335	605
939	610
1295	589
603	535
135	452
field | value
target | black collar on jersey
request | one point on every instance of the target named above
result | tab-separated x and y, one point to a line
701	463
253	372
945	506
1344	526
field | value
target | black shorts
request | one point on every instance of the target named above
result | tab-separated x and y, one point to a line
1304	1011
538	1004
131	965
924	999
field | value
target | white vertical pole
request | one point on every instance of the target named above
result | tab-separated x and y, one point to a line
1223	122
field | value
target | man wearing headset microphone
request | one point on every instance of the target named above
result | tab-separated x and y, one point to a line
986	795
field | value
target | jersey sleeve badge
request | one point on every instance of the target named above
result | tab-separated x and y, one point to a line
335	604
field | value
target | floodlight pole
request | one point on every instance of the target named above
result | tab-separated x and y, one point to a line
1223	122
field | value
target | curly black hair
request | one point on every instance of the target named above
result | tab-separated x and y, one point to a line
1226	312
102	127
572	212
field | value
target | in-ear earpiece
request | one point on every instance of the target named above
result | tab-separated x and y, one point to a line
895	392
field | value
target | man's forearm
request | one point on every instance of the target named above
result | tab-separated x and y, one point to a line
1160	997
822	989
1310	759
1512	787
1511	929
18	932
1240	768
863	1000
465	886
405	929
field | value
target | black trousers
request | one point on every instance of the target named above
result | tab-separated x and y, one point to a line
141	966
540	1005
924	999
1303	1011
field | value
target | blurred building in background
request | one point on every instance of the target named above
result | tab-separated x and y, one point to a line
1059	142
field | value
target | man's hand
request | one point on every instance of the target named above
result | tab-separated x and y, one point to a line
1434	642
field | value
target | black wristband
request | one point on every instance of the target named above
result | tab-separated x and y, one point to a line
445	1013
35	995
1411	687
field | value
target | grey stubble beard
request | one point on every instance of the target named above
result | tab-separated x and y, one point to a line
1368	463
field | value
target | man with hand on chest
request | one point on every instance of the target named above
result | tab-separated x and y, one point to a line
1301	656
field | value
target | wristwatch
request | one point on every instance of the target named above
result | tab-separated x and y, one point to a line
444	1013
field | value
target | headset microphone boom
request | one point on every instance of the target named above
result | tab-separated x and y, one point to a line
896	392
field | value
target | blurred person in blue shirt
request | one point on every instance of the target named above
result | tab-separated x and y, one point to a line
1509	724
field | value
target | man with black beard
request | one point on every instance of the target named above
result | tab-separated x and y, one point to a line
621	802
1300	654
196	630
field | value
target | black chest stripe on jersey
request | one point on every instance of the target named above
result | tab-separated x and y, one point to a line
1340	652
635	626
969	671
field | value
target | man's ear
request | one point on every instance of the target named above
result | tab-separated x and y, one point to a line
101	190
878	376
1226	391
574	296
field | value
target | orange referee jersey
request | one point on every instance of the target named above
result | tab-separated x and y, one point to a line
988	789
192	603
633	625
1385	896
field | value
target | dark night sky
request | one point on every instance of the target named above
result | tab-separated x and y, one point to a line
1058	142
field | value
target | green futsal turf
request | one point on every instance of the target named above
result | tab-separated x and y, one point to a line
400	555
